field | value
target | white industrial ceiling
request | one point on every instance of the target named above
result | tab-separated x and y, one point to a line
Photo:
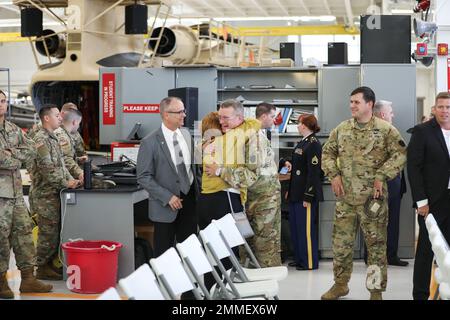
343	10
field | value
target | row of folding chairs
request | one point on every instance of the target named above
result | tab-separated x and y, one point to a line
441	252
181	269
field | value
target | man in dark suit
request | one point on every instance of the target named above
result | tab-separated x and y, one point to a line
166	170
428	174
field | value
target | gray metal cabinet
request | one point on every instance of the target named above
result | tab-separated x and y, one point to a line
397	83
336	84
326	216
139	86
133	86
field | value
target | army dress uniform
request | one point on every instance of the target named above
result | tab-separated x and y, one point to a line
263	207
305	185
360	154
67	143
15	221
50	175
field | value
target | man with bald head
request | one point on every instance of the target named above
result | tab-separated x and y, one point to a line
396	188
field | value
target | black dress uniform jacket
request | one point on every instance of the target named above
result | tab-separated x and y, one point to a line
305	183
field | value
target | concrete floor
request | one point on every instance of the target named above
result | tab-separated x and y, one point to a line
299	285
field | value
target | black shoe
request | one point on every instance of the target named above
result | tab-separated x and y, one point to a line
299	267
397	262
292	264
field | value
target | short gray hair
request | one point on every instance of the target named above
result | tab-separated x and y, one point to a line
69	106
71	115
235	104
379	105
166	102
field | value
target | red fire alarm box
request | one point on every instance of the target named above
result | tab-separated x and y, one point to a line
421	49
442	49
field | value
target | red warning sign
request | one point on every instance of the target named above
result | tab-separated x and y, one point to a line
109	98
140	108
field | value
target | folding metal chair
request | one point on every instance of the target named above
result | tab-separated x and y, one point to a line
232	238
198	263
110	294
217	250
170	272
441	252
142	285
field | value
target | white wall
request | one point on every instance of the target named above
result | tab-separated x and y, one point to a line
426	86
18	57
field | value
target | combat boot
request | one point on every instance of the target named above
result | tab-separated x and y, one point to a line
46	272
30	284
336	291
5	291
376	295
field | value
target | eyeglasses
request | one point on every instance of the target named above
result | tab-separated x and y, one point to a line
226	118
177	112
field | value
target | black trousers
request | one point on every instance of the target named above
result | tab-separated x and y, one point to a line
167	234
393	227
215	206
424	253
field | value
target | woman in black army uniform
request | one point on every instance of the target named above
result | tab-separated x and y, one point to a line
304	194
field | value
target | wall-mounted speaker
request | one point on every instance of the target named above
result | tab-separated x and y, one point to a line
337	53
189	96
30	22
136	19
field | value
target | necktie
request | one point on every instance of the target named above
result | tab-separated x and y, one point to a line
181	167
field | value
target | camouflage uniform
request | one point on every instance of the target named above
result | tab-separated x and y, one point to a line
263	207
34	129
50	175
78	144
15	222
77	140
67	144
359	156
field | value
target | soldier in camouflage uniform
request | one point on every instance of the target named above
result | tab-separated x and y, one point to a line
360	155
50	175
15	221
70	125
78	142
259	174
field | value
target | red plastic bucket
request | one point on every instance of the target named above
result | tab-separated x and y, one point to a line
91	265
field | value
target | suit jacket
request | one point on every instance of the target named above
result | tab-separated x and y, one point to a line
428	163
157	174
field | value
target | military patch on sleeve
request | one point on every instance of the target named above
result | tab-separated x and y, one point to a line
402	143
299	151
42	149
315	160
